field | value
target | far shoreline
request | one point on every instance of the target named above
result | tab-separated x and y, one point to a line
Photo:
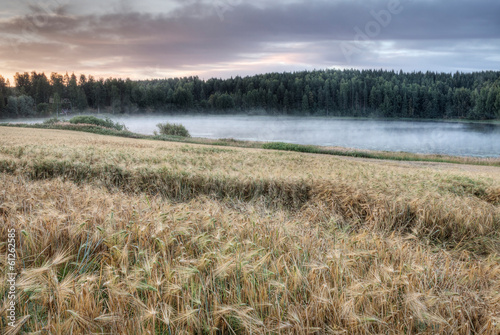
254	114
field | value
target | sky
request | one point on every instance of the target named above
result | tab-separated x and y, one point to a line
226	38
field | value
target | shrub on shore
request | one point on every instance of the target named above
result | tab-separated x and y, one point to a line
290	147
52	121
173	129
89	119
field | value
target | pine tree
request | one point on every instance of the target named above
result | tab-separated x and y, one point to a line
56	104
305	103
2	103
497	104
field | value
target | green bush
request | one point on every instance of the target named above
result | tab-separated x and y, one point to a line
89	119
52	121
290	147
173	129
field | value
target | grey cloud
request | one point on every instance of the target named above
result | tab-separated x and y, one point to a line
194	35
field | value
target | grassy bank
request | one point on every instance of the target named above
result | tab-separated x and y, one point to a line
123	235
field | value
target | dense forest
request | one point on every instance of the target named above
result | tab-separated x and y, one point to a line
358	93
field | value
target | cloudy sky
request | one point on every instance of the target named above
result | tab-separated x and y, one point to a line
223	38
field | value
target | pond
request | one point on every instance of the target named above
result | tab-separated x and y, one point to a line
450	138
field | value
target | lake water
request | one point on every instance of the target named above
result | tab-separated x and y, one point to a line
451	138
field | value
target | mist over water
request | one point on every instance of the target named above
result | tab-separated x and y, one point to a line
462	139
450	138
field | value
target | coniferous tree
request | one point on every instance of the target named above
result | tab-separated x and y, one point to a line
325	92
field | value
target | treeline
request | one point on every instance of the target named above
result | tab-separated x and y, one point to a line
358	93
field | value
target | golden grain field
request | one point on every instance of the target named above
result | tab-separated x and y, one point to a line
126	236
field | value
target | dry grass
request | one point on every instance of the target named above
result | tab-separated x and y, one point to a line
127	236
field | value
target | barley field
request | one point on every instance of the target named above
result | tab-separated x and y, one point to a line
130	236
